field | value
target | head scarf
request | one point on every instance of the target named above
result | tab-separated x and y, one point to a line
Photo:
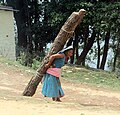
67	48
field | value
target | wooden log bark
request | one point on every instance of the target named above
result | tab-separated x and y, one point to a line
65	33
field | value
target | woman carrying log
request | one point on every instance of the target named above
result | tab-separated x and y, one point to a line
51	83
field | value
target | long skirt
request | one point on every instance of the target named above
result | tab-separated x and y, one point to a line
52	86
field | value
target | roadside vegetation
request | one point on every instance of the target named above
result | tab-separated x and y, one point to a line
95	77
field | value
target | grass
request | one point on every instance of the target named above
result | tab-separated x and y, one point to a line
17	65
94	77
74	74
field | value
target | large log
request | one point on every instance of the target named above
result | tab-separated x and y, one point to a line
65	33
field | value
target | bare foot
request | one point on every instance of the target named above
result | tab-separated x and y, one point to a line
53	98
58	99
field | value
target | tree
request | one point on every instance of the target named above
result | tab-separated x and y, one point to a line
106	46
98	48
2	2
87	48
20	18
47	17
116	61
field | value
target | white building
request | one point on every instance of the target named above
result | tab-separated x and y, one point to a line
7	33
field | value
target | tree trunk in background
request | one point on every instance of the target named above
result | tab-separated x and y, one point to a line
70	41
20	18
115	59
77	32
22	38
65	33
83	55
75	48
77	55
72	58
85	35
20	21
35	22
116	55
98	58
105	51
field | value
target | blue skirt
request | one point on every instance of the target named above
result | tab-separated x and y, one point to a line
52	86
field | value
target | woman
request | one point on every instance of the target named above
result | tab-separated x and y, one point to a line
51	85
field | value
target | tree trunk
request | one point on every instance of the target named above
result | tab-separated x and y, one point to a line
98	44
20	21
107	37
77	48
65	33
116	53
77	32
72	58
115	59
20	18
70	41
82	57
75	45
86	35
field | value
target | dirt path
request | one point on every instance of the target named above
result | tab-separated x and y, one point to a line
79	99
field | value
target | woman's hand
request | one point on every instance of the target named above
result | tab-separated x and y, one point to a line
49	62
47	65
51	59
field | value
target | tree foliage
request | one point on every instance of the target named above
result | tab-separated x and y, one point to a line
42	20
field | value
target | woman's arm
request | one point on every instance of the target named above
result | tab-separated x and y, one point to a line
52	57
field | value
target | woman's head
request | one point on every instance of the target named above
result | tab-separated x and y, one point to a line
68	51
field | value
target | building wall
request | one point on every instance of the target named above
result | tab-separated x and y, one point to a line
7	35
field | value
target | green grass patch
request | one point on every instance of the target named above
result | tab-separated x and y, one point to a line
16	64
95	77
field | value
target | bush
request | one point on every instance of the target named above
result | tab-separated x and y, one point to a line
35	64
30	59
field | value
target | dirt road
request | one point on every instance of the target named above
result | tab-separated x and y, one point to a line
79	99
